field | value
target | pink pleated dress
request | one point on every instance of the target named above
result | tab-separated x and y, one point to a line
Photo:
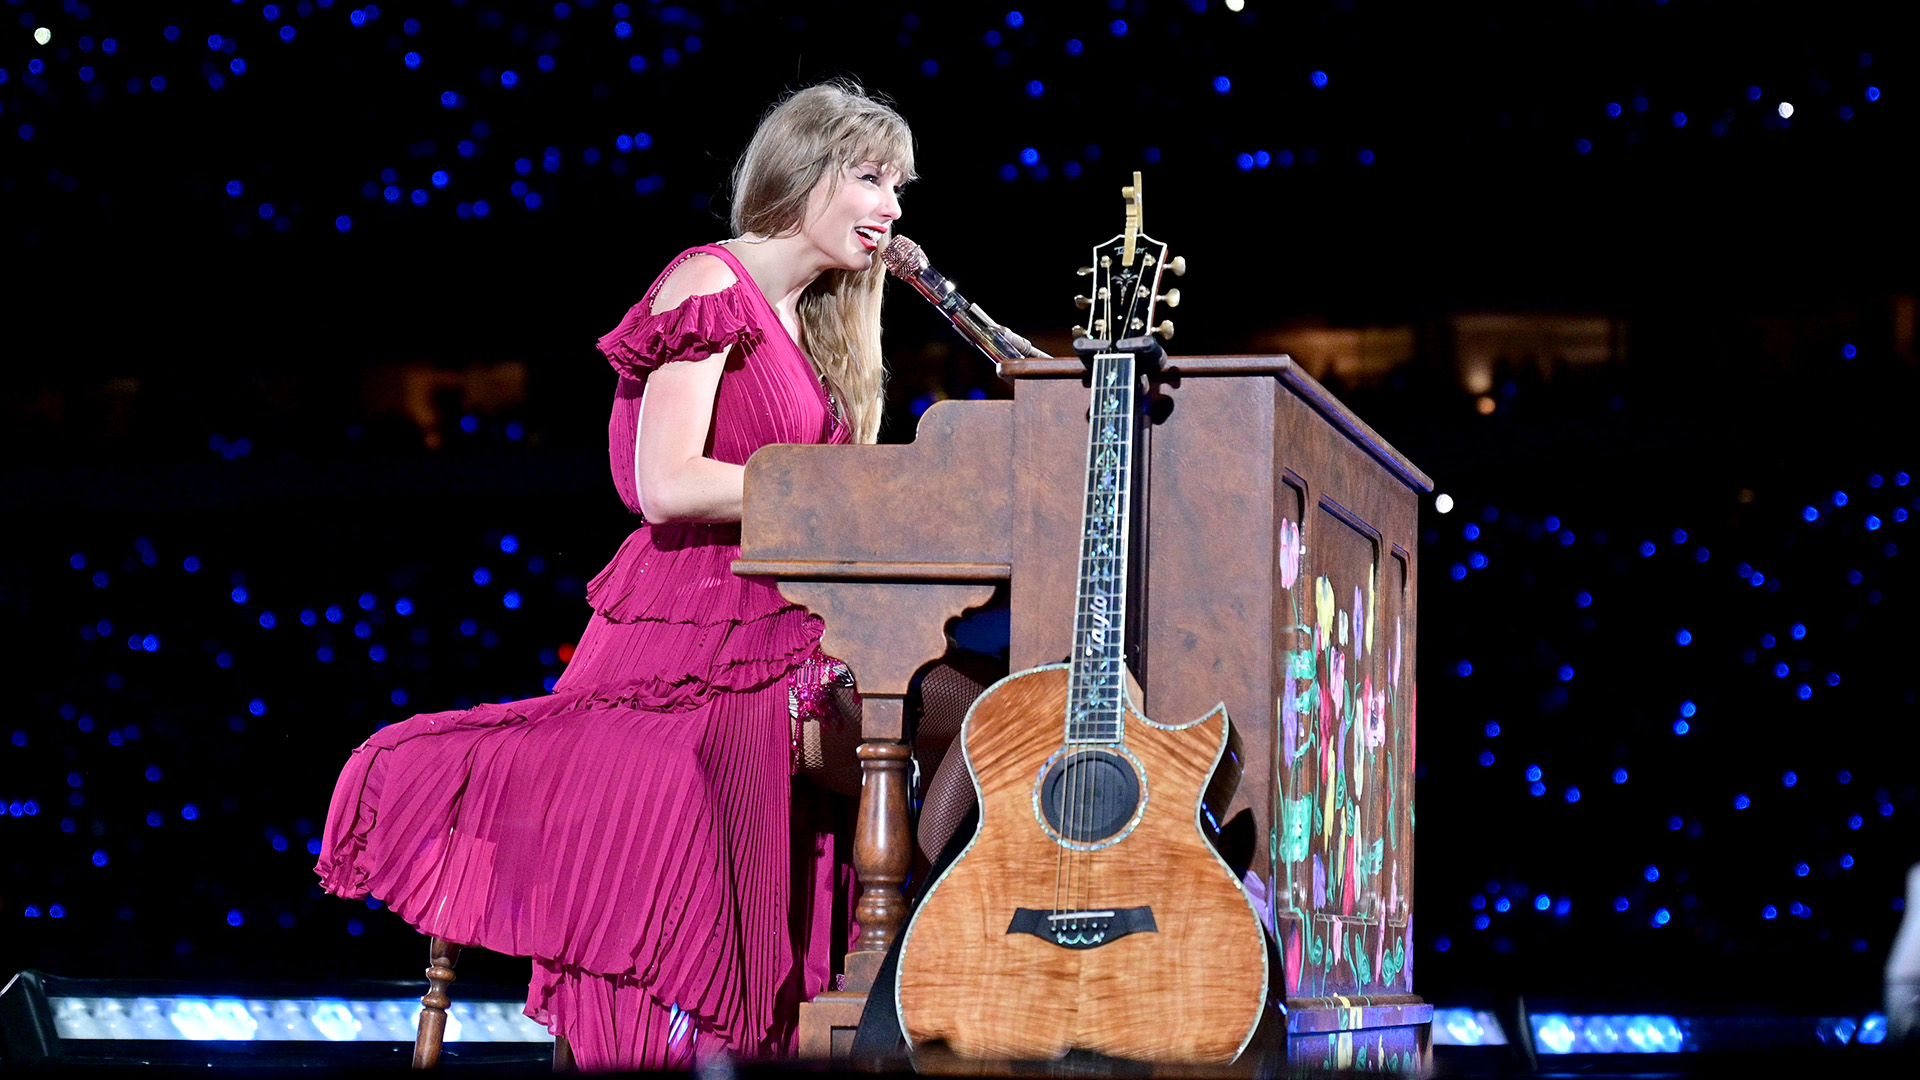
631	830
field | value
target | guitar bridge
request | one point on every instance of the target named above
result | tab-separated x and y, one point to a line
1083	929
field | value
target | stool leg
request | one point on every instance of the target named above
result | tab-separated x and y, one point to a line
563	1055
442	956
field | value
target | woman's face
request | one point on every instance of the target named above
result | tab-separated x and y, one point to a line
852	222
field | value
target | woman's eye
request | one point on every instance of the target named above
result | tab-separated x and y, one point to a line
871	178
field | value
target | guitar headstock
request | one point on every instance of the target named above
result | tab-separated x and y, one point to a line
1127	272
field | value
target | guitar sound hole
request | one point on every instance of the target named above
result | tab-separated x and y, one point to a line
1089	795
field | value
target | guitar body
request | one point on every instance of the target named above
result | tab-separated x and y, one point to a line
1189	989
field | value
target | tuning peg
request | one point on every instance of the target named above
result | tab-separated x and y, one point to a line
1178	264
1165	330
1171	298
1084	271
1083	302
1079	332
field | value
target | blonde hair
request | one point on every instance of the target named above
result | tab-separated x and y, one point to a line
813	134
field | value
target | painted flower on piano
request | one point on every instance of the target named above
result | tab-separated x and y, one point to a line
1323	610
1376	704
1289	553
1337	683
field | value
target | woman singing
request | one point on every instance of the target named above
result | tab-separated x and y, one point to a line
630	831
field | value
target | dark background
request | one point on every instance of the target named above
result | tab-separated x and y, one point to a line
195	379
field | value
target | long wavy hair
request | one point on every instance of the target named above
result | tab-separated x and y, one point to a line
818	133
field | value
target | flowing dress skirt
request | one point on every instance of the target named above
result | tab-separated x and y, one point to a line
630	831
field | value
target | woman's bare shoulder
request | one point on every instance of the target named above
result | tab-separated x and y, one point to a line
698	275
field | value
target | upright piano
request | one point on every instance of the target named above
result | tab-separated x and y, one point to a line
1279	577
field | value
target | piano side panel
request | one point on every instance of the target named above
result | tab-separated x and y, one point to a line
946	497
1343	812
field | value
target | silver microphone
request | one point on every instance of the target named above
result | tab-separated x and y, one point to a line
907	262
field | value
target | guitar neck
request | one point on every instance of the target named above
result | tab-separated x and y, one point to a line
1096	702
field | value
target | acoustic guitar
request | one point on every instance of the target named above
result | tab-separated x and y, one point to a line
1090	911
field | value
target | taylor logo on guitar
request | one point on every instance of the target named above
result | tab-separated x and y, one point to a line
1090	910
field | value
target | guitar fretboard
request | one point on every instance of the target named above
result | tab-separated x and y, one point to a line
1098	685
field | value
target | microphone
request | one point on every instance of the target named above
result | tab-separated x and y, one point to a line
906	261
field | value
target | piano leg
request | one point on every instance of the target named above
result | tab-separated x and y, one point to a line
882	850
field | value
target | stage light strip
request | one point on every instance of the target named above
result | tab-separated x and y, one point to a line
232	1019
1467	1027
1559	1033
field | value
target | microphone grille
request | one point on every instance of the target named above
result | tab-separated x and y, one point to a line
903	257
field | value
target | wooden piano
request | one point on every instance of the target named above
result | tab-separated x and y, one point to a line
1280	578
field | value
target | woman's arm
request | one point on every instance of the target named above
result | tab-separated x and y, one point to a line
676	480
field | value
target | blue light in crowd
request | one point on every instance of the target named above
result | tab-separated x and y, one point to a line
509	543
1683	636
257	707
1222	84
1542	902
1780	669
99	858
482	575
1652	874
1846	862
1029	156
1486	757
511	599
234	918
509	79
1621	903
1463	669
1803	691
1662	917
1317	78
1035	88
1839	498
1481	922
1647	549
1118	28
367	601
1583	598
1687	708
1492	729
440	178
1741	802
1801	870
403	606
1613	110
239	594
237	65
1854	822
1769	912
1244	162
1873	93
266	620
1533	772
412	60
1873	522
1619	775
1789	778
1015	19
1848	351
1573	794
1681	727
189	812
1565	673
1503	904
1536	789
1582	146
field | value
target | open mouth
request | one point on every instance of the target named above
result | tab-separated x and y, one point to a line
869	237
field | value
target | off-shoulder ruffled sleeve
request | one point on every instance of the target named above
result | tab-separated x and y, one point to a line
696	328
